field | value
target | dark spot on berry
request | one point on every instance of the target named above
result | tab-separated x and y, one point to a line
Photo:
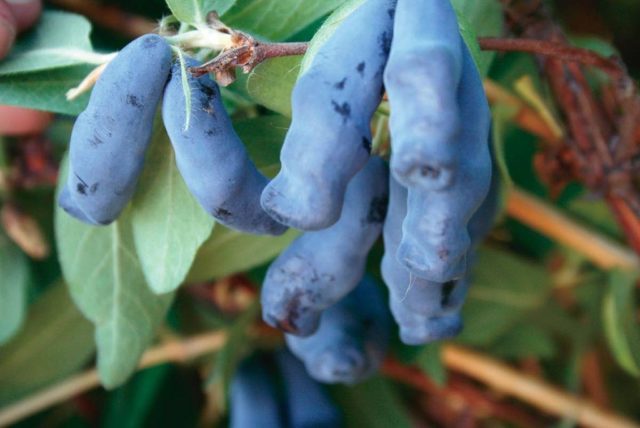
429	171
391	13
384	42
95	141
447	290
341	84
343	110
207	103
294	309
81	188
222	214
213	132
208	91
443	254
366	144
150	42
326	278
378	209
360	68
134	101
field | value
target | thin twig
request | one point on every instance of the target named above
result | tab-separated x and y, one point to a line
249	55
529	389
457	389
526	117
507	380
560	51
177	352
547	220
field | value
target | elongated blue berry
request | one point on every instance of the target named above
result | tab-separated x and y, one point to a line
352	339
211	158
422	79
330	138
319	268
435	239
110	137
254	397
308	405
427	311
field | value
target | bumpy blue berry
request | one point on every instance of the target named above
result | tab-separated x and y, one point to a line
307	404
333	102
211	157
319	268
436	240
253	397
352	339
110	137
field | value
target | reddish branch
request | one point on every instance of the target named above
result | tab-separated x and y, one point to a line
601	149
555	50
248	53
461	398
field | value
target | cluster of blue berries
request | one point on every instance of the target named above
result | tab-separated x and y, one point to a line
433	202
268	395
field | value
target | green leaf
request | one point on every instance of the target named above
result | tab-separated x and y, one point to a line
263	137
130	405
372	404
523	341
501	117
14	281
236	348
55	341
430	361
228	252
277	19
271	83
328	28
479	18
621	322
195	11
59	40
596	213
505	288
45	90
168	223
108	285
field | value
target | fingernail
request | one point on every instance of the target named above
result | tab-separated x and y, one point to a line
7	29
26	12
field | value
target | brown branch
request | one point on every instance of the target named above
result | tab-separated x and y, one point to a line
544	218
594	379
525	117
482	405
529	389
176	352
509	381
248	55
560	51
